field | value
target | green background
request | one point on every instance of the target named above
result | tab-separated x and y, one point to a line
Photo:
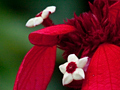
14	43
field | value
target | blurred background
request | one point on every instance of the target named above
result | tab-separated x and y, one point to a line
14	43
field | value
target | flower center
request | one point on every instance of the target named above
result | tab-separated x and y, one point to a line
71	67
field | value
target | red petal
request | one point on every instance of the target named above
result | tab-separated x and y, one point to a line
104	70
95	10
36	69
49	36
114	11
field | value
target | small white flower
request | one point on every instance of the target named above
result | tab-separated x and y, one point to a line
45	14
73	69
38	20
34	22
51	9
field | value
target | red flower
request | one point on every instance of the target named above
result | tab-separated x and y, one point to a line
37	66
100	25
92	33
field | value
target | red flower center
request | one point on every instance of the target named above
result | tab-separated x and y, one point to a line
71	67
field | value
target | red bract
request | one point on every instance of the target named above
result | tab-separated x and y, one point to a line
50	36
104	71
37	67
92	34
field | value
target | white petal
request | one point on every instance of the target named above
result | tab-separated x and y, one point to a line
82	62
72	57
30	23
37	21
78	74
51	9
63	67
45	14
67	78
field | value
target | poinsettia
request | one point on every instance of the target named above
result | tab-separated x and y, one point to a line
93	33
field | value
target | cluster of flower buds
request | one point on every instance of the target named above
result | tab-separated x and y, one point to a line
40	17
